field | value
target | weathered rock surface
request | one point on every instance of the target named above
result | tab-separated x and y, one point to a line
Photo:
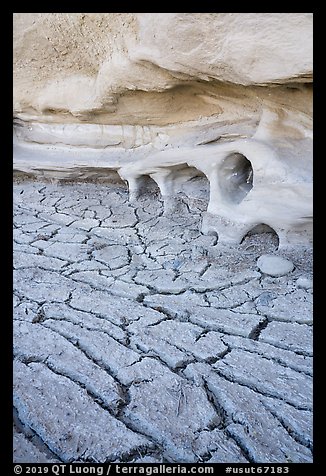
219	103
210	362
91	58
140	335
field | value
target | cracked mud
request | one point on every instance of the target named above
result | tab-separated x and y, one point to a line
139	339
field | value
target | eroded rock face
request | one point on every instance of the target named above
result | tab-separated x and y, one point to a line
225	97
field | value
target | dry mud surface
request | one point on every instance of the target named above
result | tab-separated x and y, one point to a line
139	339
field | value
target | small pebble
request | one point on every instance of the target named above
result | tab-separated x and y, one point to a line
274	265
304	283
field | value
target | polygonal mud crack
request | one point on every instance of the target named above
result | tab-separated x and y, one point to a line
142	340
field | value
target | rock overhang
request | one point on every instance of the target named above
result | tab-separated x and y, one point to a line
153	95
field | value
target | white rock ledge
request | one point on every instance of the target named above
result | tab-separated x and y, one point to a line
250	181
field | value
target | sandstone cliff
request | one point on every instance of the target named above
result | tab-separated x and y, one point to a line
226	97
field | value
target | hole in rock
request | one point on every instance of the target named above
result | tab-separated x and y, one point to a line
261	237
194	187
236	177
148	186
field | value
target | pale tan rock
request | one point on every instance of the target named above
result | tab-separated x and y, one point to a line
78	62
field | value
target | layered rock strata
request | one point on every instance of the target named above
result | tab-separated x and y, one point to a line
217	102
